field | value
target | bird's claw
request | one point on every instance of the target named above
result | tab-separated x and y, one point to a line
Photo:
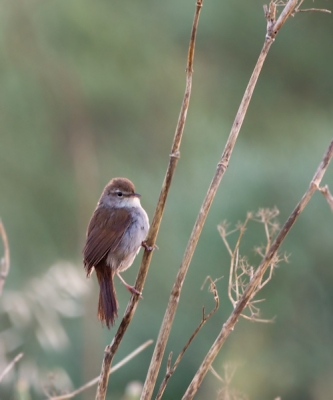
147	247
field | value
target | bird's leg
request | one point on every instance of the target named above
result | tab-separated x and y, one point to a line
147	247
129	287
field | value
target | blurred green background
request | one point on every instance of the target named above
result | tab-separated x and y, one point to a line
92	90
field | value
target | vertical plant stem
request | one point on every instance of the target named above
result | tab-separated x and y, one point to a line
111	349
193	240
273	27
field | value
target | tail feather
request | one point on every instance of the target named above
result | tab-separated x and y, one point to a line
107	303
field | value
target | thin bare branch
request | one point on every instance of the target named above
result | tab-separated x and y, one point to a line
327	194
323	10
93	382
297	9
229	325
10	366
212	370
5	261
194	237
155	225
171	369
223	232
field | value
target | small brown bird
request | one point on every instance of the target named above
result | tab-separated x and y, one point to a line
116	231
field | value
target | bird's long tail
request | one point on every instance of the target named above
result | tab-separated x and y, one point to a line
107	303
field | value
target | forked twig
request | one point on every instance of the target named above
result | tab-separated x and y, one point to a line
5	261
155	225
93	382
171	369
327	194
10	366
229	325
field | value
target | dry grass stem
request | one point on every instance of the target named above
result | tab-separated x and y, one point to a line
5	260
155	225
194	237
10	366
171	369
256	281
93	382
327	194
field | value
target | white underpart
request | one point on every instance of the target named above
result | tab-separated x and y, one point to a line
133	237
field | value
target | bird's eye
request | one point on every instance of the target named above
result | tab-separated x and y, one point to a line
119	194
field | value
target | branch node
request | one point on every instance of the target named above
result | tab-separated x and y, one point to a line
270	15
223	164
107	350
269	37
175	154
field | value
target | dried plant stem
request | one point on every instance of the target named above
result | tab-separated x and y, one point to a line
10	366
205	318
5	261
229	325
155	225
220	170
93	382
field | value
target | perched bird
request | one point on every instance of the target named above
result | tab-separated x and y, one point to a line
116	231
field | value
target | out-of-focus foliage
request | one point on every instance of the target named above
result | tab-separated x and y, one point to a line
91	90
32	315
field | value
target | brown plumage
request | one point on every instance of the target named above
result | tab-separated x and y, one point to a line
107	302
115	233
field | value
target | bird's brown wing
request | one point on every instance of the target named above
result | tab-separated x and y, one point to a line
103	236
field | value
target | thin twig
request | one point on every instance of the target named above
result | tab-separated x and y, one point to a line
111	349
229	325
315	10
327	194
93	382
10	366
5	261
205	318
297	9
193	240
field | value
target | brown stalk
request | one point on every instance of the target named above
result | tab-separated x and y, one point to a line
229	325
205	318
111	349
220	170
5	261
